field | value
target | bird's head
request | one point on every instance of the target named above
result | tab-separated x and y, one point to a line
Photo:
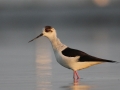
48	32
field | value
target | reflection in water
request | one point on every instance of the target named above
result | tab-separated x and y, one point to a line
76	87
43	67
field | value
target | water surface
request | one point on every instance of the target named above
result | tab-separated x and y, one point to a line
33	66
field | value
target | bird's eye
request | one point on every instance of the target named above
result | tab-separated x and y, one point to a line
47	30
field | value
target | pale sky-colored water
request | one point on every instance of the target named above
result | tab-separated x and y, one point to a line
32	66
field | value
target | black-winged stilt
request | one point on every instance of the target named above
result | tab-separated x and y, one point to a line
70	58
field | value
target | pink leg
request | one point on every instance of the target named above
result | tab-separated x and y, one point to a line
74	77
77	75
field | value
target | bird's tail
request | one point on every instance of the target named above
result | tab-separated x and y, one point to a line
111	61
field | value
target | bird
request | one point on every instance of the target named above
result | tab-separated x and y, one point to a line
68	57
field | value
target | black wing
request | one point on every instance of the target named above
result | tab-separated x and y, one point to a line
84	57
89	58
69	52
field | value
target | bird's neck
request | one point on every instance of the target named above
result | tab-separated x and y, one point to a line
57	45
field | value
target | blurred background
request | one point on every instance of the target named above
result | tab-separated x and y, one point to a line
89	25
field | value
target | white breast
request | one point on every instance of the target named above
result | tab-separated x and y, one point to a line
67	62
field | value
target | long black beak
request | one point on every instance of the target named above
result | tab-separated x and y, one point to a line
36	38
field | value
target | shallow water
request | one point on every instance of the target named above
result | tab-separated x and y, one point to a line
32	66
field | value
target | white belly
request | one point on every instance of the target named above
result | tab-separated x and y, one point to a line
83	65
